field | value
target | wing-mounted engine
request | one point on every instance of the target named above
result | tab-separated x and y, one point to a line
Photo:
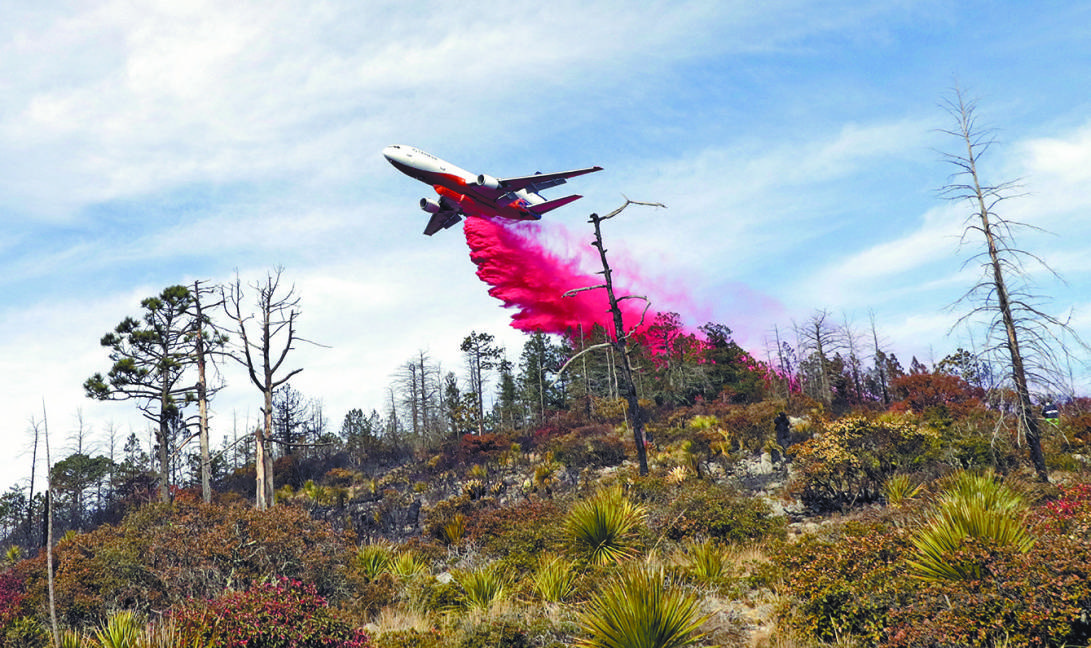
444	214
488	182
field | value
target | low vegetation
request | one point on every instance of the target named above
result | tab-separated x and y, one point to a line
912	524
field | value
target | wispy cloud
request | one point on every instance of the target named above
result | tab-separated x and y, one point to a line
147	143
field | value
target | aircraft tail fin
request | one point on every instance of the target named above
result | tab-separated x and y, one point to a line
550	205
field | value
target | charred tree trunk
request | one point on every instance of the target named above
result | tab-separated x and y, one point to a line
626	385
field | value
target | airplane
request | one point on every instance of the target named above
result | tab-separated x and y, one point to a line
462	193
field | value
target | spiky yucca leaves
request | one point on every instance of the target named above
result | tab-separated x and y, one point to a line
677	475
373	559
480	587
554	578
975	506
707	561
604	527
984	486
121	630
899	489
407	564
455	530
636	609
73	639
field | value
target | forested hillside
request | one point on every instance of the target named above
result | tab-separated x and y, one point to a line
824	494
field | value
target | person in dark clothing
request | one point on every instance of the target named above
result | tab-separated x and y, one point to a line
784	431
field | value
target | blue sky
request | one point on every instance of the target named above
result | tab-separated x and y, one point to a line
144	144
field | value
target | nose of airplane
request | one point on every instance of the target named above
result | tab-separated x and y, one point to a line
402	158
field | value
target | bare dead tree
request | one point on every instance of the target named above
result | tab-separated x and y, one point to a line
266	338
208	342
55	632
1020	335
879	357
619	340
850	341
820	338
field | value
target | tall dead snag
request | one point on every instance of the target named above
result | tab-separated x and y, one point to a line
207	340
54	631
1020	336
618	340
266	337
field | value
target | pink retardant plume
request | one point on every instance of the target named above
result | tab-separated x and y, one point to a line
532	280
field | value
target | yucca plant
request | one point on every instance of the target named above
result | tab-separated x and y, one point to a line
975	506
677	475
480	587
554	578
604	527
373	559
707	561
73	639
636	609
407	564
899	489
13	555
454	530
474	489
983	486
122	630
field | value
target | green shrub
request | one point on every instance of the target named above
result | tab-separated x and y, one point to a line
24	632
604	528
590	446
494	633
706	510
1038	598
637	609
163	554
844	586
751	425
516	535
849	460
443	513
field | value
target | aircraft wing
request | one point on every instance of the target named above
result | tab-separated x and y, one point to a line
540	181
441	220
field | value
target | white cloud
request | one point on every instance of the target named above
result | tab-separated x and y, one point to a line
173	139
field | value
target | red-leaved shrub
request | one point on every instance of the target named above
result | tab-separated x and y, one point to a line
285	614
11	597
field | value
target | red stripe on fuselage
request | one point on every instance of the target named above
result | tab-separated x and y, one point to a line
515	210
